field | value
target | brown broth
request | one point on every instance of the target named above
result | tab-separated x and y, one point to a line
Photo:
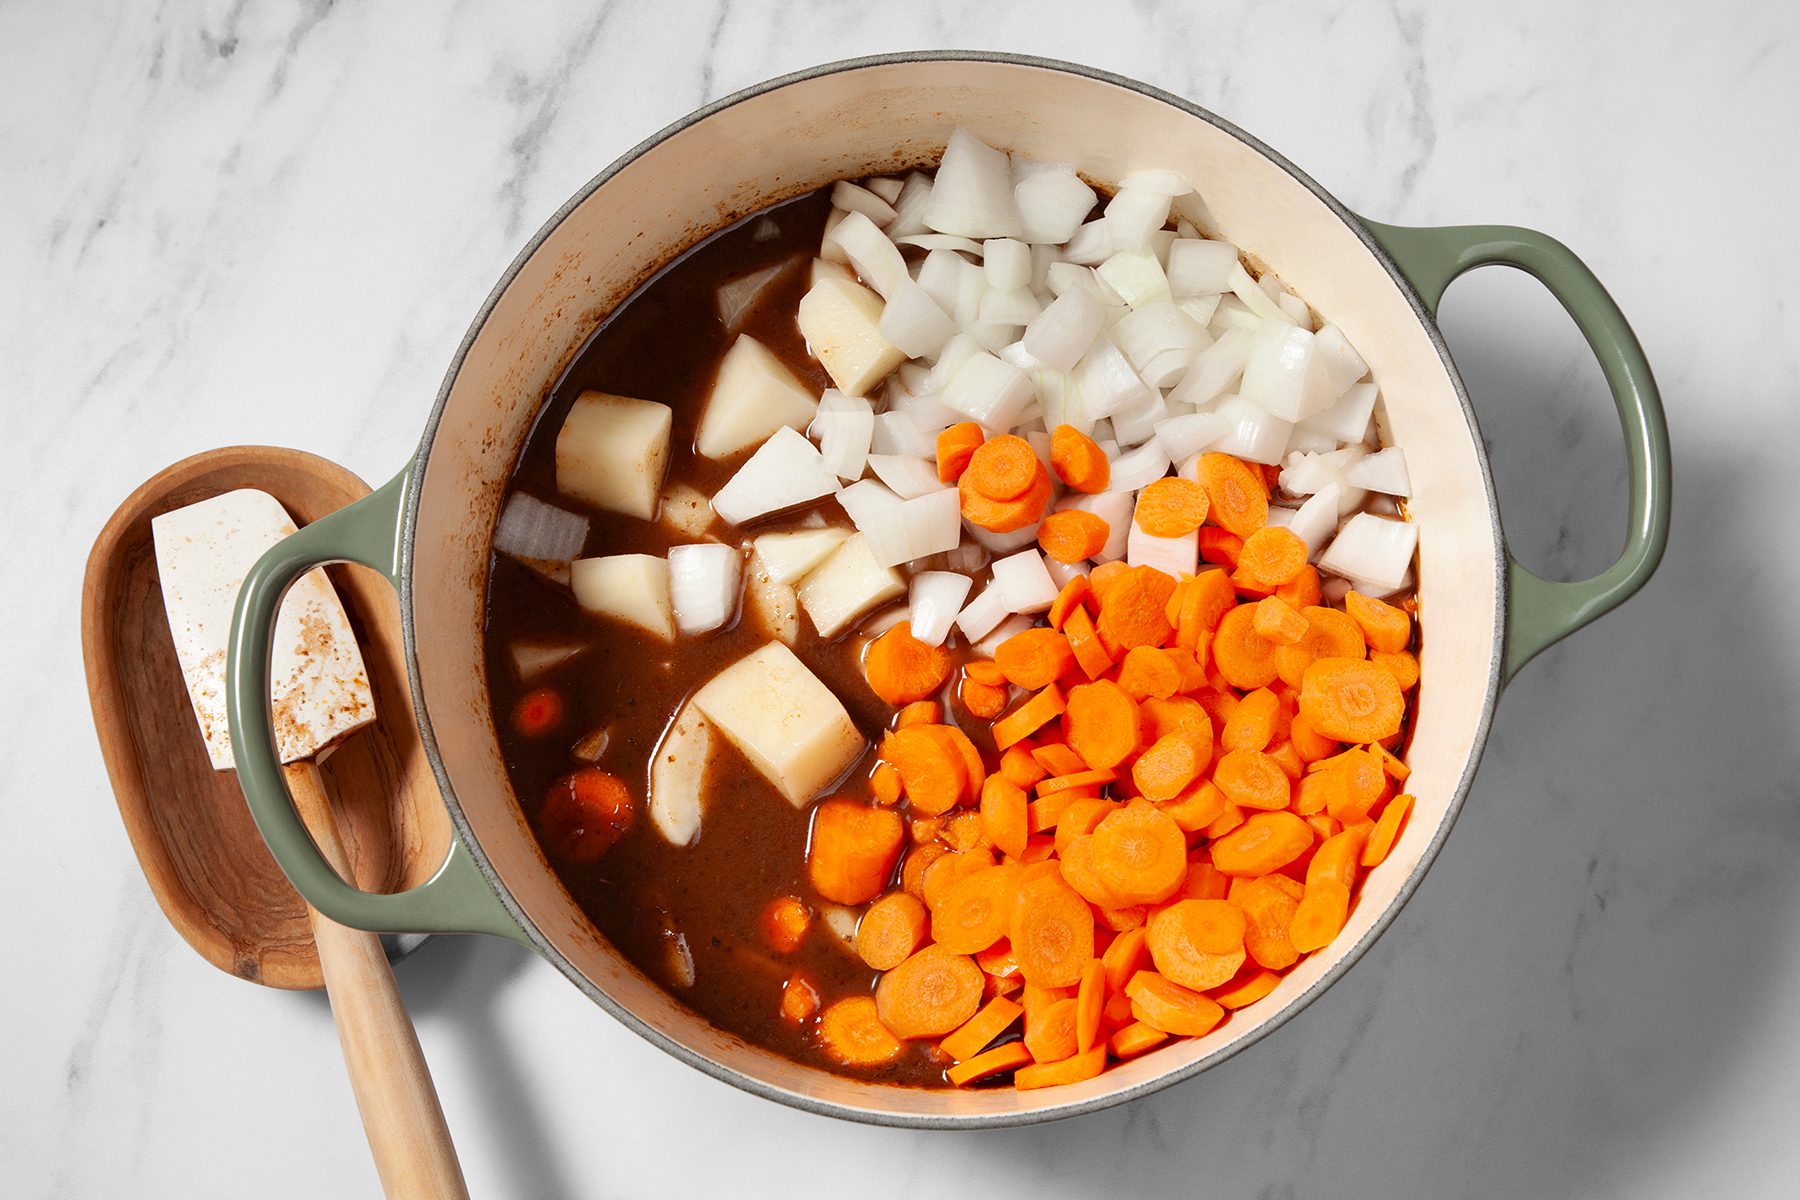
663	344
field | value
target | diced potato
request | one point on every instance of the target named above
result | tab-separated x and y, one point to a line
841	320
787	723
846	585
531	659
773	606
677	776
753	395
686	510
612	451
630	588
788	556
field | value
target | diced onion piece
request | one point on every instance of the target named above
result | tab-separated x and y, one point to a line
870	251
1200	268
1373	548
940	274
1295	308
1052	204
1254	434
1013	625
979	617
1137	468
899	433
1189	434
1199	310
866	499
841	321
844	427
846	585
1136	276
907	477
1316	520
1138	423
678	775
704	581
972	194
736	298
530	528
611	452
1160	341
800	744
1133	214
1064	573
1214	371
1157	181
1283	374
1255	298
1176	556
935	598
1280	517
1090	244
927	524
914	322
941	241
1016	354
1024	584
909	206
1007	264
1383	471
785	472
988	391
1065	330
1307	440
1064	277
788	556
629	588
1230	313
1059	400
1304	474
1017	306
752	396
883	621
1348	419
1113	507
1001	543
863	202
885	186
1107	382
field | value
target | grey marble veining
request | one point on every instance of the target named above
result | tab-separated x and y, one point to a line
271	223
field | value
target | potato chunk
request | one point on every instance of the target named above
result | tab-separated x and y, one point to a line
841	320
631	588
846	585
678	777
612	451
788	724
753	395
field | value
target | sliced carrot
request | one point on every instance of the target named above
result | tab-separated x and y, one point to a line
1076	780
852	850
799	999
1248	991
1387	830
1090	652
1034	658
1329	634
1074	593
997	1061
1351	700
1057	759
1208	598
1205	882
1036	999
1117	1013
1052	932
1337	858
1003	814
1101	723
1132	612
1164	1004
1124	957
1384	627
1238	499
1401	665
1302	590
954	448
1230	819
1004	516
1029	717
1268	912
934	781
1287	758
1090	998
1171	507
1018	765
965	831
1198	944
1046	814
1320	916
1171	765
884	783
983	670
1139	854
1271	557
982	700
539	712
902	669
1178	714
1003	467
948	871
1363	785
1149	671
920	712
1104	576
1073	535
890	930
998	959
1195	808
1081	818
1265	842
1277	622
1189	674
1244	657
1050	1030
852	1033
1396	769
1136	1038
957	742
1078	460
1220	547
1251	779
785	921
1309	742
975	1034
920	857
1076	1069
976	911
929	994
1251	725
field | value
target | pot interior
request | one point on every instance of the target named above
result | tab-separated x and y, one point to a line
871	118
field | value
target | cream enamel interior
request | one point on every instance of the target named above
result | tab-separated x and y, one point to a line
779	143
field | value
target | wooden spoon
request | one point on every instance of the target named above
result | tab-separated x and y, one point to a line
204	859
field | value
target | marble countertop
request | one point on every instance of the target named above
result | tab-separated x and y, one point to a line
272	222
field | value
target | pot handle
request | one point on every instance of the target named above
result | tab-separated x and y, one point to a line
457	899
1539	611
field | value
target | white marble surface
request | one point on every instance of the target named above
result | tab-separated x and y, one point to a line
271	222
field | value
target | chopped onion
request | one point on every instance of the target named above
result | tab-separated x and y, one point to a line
1176	556
979	617
1255	298
1001	543
1295	308
1064	331
1184	436
1201	268
935	599
1063	573
1157	182
1138	423
1010	627
1107	382
884	620
908	477
844	427
704	582
971	286
1063	277
1199	310
972	194
1383	471
899	433
1113	507
875	258
885	186
1231	314
940	241
1052	204
1007	264
914	322
1160	340
1016	354
1059	400
1214	371
1348	419
899	533
1343	365
988	391
940	274
909	207
1089	245
531	529
861	200
1138	468
1373	548
1254	434
1280	516
1283	375
1133	214
1024	584
1136	276
1039	441
1307	440
1017	306
865	500
1316	520
1303	474
786	557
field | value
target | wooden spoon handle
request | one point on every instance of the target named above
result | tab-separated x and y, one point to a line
400	1111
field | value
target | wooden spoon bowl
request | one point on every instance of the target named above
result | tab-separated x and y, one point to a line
192	832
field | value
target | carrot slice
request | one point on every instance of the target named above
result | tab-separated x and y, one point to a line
1046	814
1019	766
1244	657
1351	700
1074	593
1178	714
955	446
884	783
1090	998
997	1061
1078	779
1387	830
1075	1069
918	859
1309	742
1251	779
785	921
539	712
1050	1030
929	994
1277	621
1384	627
891	929
1058	759
901	669
1268	912
1133	610
1198	944
1078	460
1252	724
976	911
1396	769
1034	658
1003	814
1136	1038
1270	557
1004	516
1171	764
1320	916
1362	783
1195	808
1125	956
1101	723
1337	858
1073	535
852	850
1081	818
1401	665
982	700
1248	991
1029	717
1238	501
983	670
975	1034
1266	842
947	871
934	781
1329	634
957	742
1090	652
1220	547
1164	1004
1302	590
1052	932
852	1033
799	999
1149	671
919	712
1172	507
1205	882
1003	467
1139	854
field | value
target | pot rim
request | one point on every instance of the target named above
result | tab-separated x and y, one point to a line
870	1115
